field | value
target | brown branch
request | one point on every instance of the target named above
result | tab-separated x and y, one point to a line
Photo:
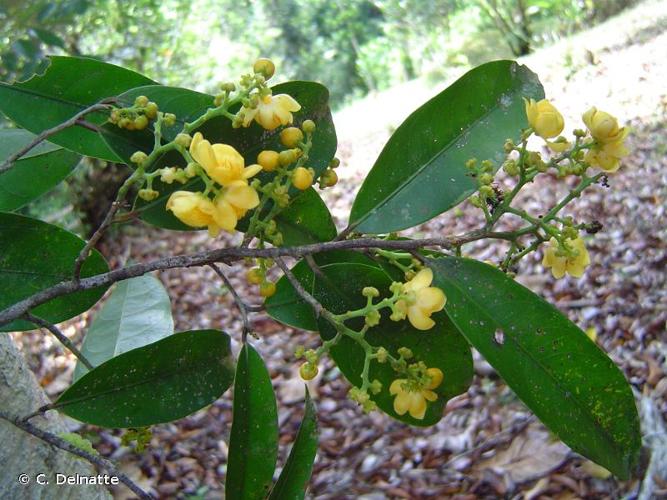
314	303
243	309
9	162
226	255
100	462
60	336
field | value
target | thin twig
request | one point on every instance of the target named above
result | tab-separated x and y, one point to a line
314	267
9	162
314	303
239	302
60	336
100	462
225	255
108	219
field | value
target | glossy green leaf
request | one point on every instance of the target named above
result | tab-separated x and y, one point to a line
421	171
188	105
35	256
294	477
556	370
137	313
69	85
157	383
306	220
339	290
288	307
253	442
35	173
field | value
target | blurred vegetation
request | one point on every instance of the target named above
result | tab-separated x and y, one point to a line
355	46
352	46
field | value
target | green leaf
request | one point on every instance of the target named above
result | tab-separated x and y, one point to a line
294	477
253	442
35	173
188	105
157	383
69	85
306	220
556	370
137	313
339	290
421	171
35	256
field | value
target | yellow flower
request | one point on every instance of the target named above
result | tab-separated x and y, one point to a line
572	261
271	111
195	210
241	197
423	300
603	126
221	162
608	155
544	118
409	397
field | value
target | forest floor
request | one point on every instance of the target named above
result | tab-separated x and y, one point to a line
487	445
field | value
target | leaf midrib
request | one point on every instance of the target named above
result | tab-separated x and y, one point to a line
425	166
550	374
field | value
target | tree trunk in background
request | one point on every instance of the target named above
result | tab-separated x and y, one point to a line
22	453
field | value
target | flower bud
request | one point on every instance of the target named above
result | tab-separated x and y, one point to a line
151	110
183	140
372	318
267	289
254	276
286	157
302	178
190	170
544	118
148	194
291	136
269	160
228	87
308	126
329	178
140	122
405	352
264	67
141	101
486	192
485	179
381	355
138	157
370	291
169	119
308	371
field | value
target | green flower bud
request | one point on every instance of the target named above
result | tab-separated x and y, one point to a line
183	140
308	126
370	291
138	157
141	101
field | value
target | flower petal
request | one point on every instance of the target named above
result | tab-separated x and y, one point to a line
417	405
241	196
418	319
431	299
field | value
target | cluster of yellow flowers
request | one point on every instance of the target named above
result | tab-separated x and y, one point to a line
411	395
572	259
609	146
421	301
604	151
226	166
